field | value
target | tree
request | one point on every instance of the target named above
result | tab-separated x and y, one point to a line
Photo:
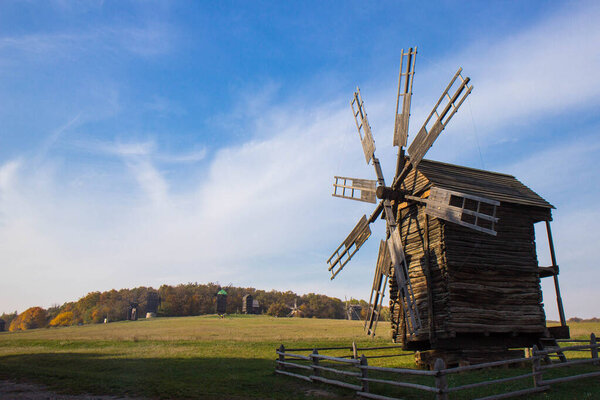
278	310
62	319
321	306
8	318
34	317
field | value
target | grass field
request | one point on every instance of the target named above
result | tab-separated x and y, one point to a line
207	357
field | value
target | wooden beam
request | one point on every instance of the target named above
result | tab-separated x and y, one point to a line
548	271
561	311
432	337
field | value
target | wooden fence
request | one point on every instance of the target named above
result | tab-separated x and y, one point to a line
354	372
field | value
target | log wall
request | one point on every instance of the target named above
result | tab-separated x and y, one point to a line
475	283
436	281
493	281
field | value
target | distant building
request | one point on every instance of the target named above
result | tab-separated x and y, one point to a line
221	302
2	325
353	312
250	306
132	311
256	307
247	302
152	304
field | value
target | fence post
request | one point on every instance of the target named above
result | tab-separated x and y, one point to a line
594	350
315	362
364	373
281	349
535	366
440	379
354	351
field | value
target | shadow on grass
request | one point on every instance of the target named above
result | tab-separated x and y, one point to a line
227	378
168	378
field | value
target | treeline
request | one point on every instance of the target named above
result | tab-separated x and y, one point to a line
181	300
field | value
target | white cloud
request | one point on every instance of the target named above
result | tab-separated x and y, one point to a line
7	173
248	219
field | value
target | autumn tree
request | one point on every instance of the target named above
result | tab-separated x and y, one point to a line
278	310
321	306
62	319
34	317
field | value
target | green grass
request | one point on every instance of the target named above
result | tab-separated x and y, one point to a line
208	357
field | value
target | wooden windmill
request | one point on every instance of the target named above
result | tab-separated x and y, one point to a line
460	252
295	310
352	311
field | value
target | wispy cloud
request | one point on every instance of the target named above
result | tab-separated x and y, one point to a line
550	68
7	174
146	40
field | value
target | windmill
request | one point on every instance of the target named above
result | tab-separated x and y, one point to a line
221	300
294	310
367	190
442	224
352	310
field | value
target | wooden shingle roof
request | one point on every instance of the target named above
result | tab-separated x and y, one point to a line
493	185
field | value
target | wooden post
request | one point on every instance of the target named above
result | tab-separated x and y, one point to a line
354	351
315	361
535	367
440	380
561	311
364	373
594	350
281	357
430	311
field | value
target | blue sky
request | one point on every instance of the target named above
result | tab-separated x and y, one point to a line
144	143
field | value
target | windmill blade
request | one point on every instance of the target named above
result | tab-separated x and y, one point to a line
359	235
405	83
407	297
382	271
362	125
345	251
425	138
474	212
355	189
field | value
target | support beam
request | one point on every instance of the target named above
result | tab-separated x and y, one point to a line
432	337
561	311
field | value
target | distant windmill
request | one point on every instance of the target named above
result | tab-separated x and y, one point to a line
152	304
352	311
295	310
221	302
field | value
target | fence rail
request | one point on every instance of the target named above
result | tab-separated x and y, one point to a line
358	369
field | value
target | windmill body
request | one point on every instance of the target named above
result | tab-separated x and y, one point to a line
460	252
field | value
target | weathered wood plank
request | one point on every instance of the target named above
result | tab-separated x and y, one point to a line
303	377
402	384
515	393
336	383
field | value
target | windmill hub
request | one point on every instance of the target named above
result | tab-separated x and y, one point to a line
387	193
